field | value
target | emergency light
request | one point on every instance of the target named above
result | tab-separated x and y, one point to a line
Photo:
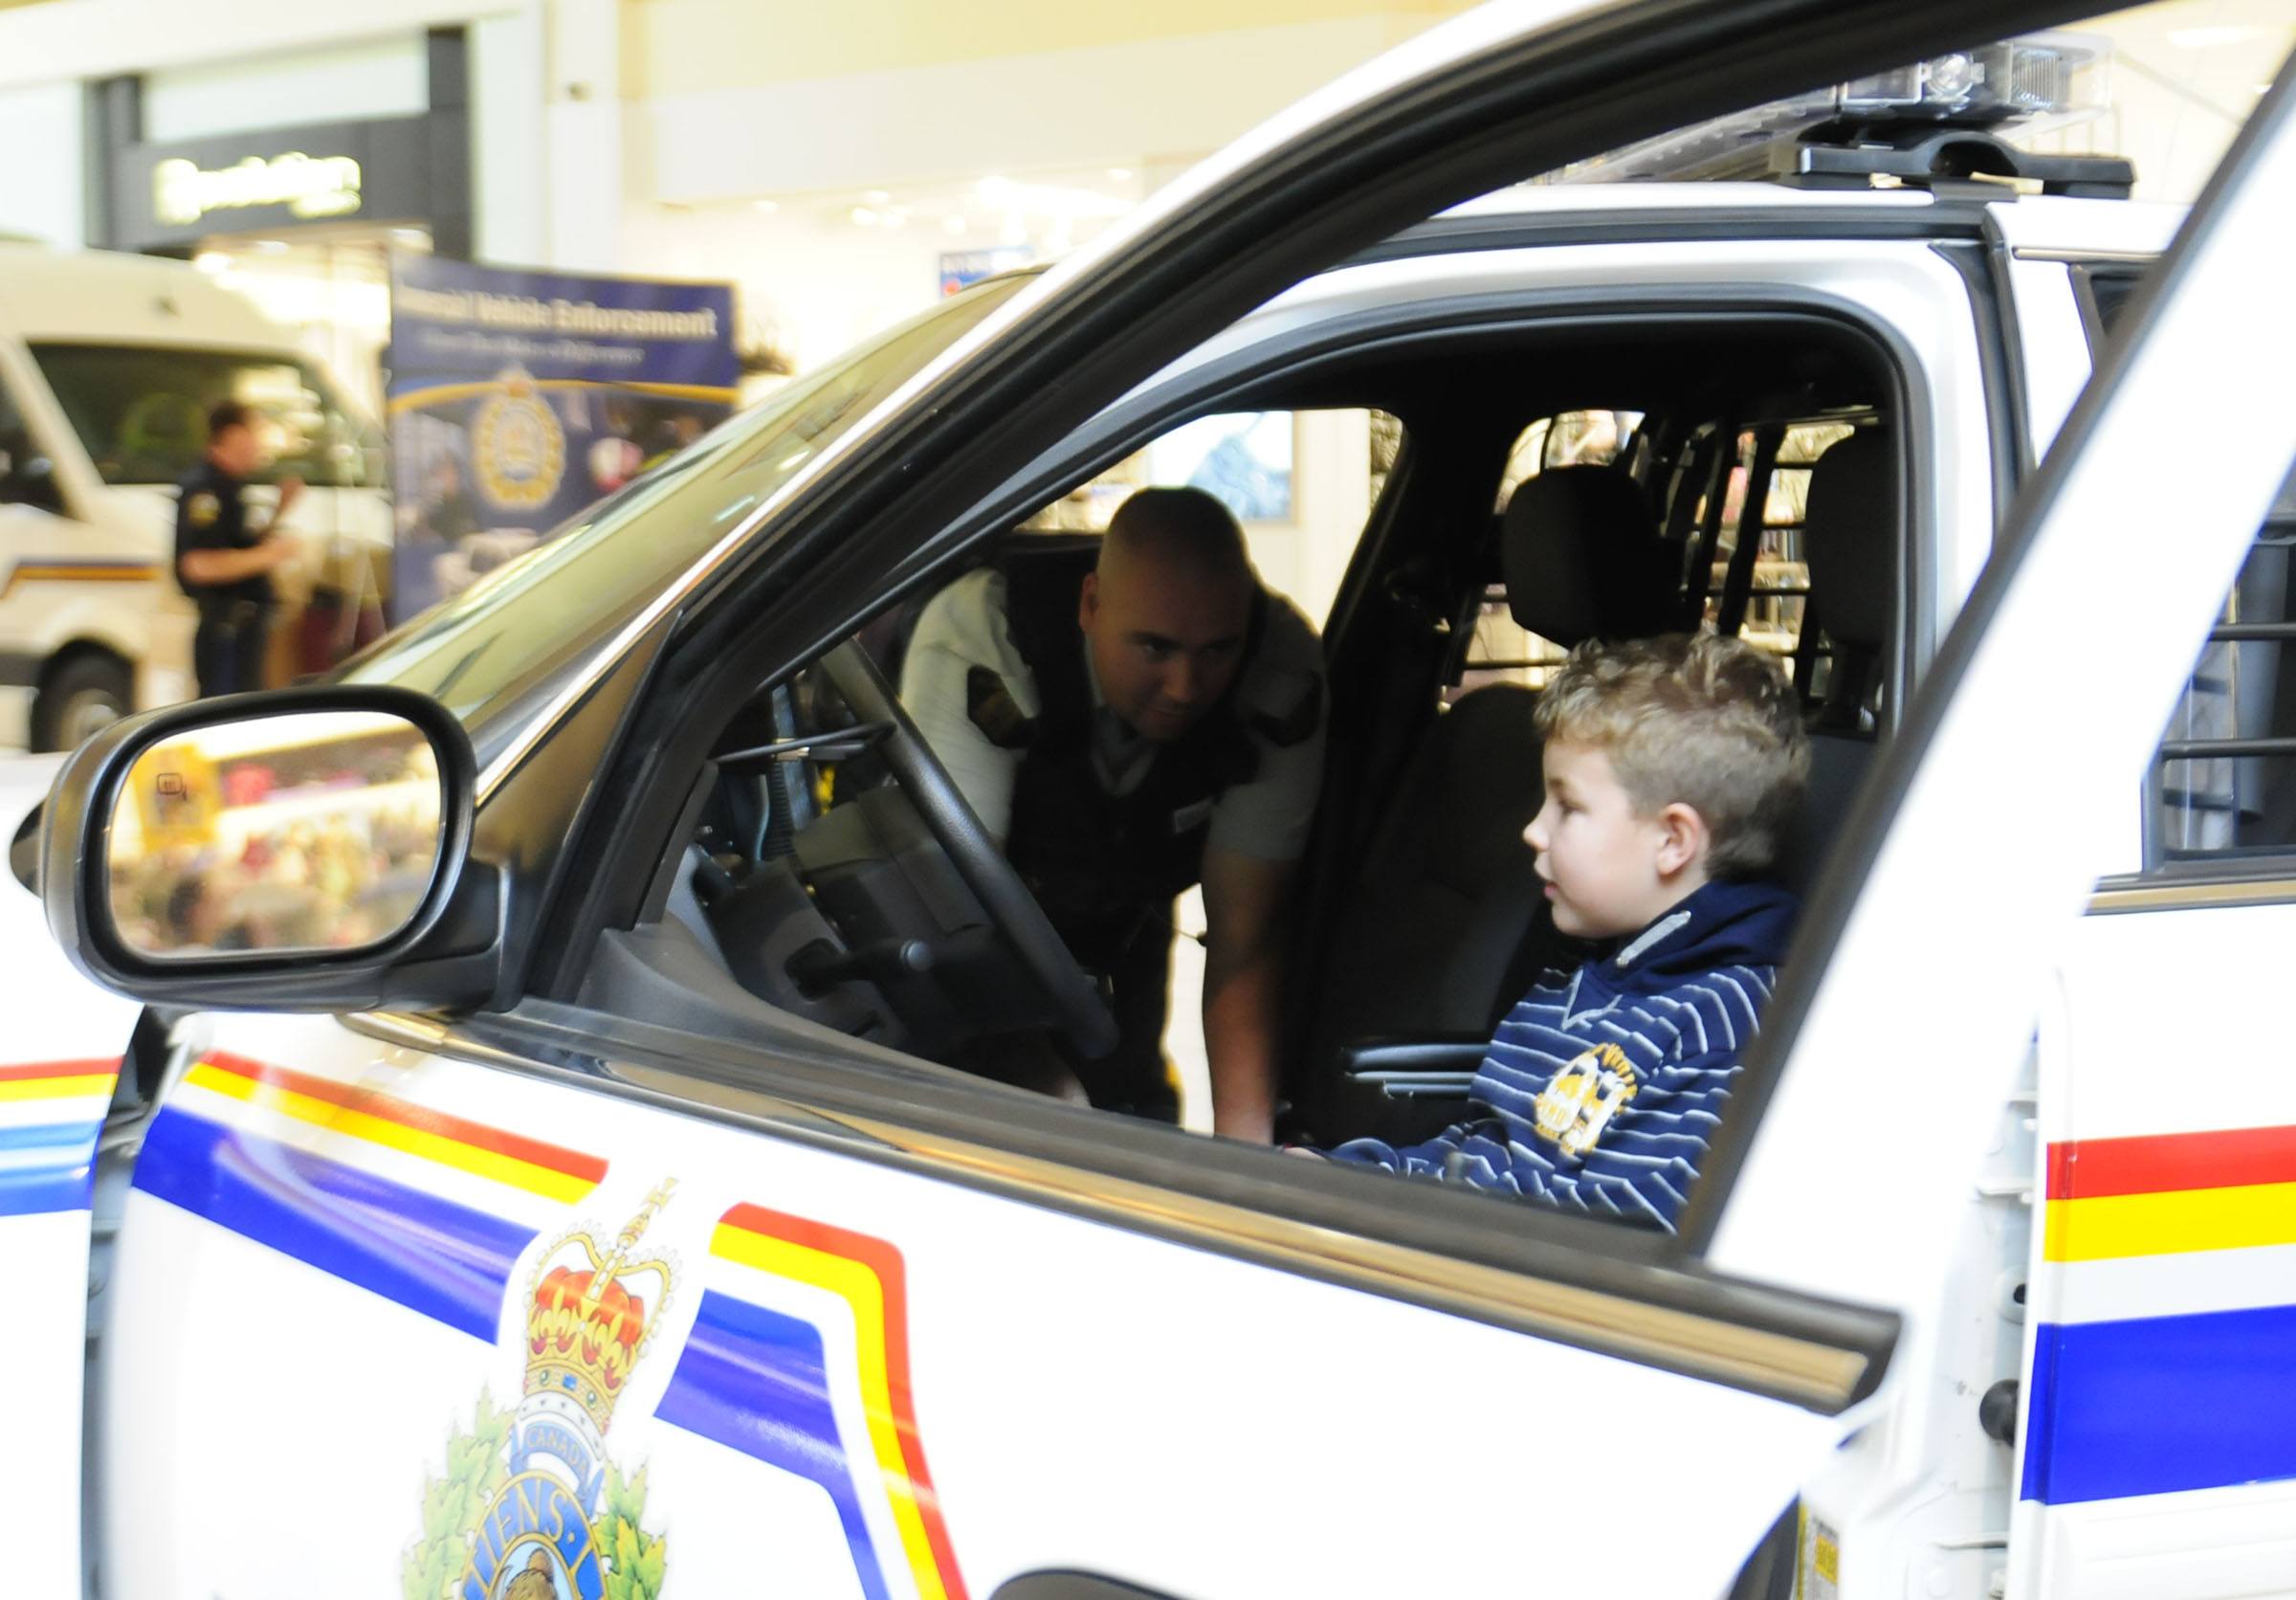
1942	117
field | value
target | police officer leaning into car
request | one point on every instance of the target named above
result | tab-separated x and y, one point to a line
225	564
1131	719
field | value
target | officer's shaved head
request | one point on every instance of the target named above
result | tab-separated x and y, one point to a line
1167	609
1186	527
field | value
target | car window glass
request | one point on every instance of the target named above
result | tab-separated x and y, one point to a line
807	804
1302	483
1502	651
1602	439
26	476
817	875
489	645
1778	586
1782	576
2222	789
793	833
141	413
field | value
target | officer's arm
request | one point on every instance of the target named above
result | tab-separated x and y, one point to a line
209	567
1246	907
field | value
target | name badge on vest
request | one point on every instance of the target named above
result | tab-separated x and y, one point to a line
1188	818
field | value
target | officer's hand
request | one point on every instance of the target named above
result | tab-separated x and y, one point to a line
291	490
277	550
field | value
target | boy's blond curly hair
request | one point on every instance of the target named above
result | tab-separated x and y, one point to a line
1709	721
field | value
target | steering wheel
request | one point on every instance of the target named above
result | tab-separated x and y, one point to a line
1083	1015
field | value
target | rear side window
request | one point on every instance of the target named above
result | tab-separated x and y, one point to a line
1781	582
1499	650
141	413
1776	581
2222	789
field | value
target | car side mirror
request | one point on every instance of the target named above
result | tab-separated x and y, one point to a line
302	850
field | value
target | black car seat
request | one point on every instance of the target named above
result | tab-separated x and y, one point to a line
1850	542
1448	923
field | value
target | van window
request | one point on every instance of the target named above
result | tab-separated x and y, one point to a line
16	437
141	414
26	478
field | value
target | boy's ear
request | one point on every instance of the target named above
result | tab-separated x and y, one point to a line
1683	839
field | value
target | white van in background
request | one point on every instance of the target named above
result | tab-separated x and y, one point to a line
108	366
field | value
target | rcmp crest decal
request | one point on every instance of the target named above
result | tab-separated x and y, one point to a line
530	1506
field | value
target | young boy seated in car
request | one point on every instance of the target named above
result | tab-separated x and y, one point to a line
1672	766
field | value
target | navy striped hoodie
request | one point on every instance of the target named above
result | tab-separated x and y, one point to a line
1604	1086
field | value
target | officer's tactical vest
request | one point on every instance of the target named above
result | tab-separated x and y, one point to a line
1104	867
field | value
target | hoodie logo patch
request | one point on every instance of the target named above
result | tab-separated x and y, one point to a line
1574	1108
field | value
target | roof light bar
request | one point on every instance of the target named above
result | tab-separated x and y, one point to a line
1951	108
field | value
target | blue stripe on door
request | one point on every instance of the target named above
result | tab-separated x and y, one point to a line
47	1167
756	1381
432	1255
2159	1404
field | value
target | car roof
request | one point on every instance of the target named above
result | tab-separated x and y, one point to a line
2046	223
2030	220
1537	199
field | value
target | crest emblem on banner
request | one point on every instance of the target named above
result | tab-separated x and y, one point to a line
518	445
531	1508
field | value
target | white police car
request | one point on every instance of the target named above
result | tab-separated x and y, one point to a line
529	1176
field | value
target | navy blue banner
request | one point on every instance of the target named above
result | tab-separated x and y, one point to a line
519	398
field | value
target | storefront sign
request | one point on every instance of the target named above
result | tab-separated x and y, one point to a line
517	398
387	169
181	191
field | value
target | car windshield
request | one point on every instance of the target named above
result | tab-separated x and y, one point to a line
489	649
141	412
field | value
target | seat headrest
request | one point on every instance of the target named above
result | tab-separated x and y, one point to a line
1850	537
1581	558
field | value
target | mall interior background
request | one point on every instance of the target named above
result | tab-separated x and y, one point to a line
839	165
